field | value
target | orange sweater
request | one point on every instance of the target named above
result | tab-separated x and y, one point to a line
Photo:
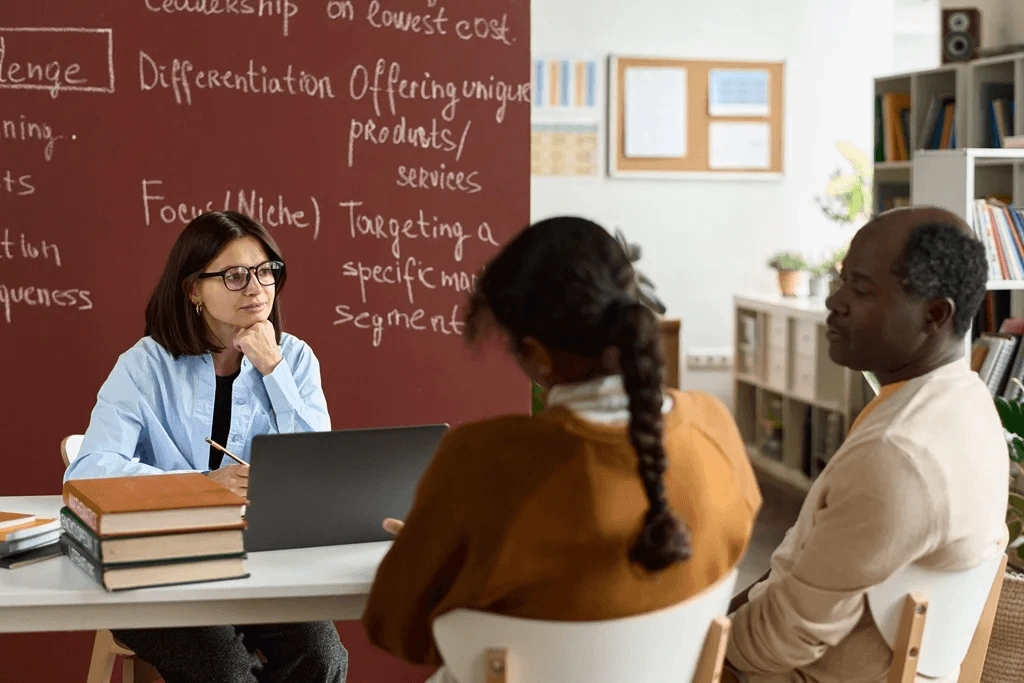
535	516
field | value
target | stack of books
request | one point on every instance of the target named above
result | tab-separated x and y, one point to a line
998	358
153	530
25	539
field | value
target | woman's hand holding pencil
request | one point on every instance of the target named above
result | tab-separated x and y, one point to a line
232	477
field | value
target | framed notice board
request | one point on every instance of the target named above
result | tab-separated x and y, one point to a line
700	119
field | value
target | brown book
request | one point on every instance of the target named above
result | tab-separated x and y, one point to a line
152	503
10	520
34	528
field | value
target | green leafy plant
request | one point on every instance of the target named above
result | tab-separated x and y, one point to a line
831	264
788	261
1011	413
847	197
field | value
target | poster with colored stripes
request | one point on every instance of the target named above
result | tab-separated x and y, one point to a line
565	84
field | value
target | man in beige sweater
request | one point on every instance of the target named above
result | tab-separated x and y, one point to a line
922	476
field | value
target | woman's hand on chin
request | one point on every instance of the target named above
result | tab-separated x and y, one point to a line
258	343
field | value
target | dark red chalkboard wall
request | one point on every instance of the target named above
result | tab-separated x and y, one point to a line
384	142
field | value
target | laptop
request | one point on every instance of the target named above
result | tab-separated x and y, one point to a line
333	488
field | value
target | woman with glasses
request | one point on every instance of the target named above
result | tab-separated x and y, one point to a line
214	364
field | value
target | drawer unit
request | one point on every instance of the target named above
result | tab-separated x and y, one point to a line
777	332
805	338
804	370
775	375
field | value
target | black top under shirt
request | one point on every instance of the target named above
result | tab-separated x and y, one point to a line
221	416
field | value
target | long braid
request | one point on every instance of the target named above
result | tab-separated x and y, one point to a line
567	284
663	540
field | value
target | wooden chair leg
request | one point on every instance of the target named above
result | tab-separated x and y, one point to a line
101	665
908	641
974	662
709	666
495	665
128	670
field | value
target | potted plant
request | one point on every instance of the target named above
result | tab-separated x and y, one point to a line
791	267
1004	661
818	284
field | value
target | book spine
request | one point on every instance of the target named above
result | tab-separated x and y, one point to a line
77	531
83	512
82	562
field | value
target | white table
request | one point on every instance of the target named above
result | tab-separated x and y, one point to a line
307	584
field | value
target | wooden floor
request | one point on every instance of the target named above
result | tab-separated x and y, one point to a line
779	511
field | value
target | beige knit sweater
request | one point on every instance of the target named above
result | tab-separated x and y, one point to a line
922	479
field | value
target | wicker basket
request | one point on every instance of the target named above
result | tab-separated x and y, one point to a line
1004	662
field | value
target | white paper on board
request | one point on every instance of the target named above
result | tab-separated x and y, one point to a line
739	146
655	112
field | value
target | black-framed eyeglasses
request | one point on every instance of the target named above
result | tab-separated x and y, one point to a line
237	278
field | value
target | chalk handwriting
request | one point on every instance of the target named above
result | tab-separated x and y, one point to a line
429	23
384	84
271	211
55	75
18	185
416	320
182	77
12	295
438	179
402	134
407	274
433	21
24	130
419	227
341	9
24	248
283	10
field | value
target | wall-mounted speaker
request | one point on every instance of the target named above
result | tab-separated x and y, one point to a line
961	34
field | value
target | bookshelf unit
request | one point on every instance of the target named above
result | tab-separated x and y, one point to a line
793	406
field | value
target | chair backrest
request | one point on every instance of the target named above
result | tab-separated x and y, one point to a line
69	448
656	647
955	601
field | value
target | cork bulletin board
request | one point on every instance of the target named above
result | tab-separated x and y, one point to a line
714	140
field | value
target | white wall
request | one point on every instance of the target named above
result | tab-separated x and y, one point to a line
917	39
703	241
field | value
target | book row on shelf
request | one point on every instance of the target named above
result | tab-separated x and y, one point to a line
998	358
938	130
892	127
1001	229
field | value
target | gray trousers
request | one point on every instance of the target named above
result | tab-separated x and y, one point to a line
295	653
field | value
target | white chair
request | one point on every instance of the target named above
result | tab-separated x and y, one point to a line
682	643
936	621
106	648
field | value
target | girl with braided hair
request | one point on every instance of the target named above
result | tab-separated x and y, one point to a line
619	499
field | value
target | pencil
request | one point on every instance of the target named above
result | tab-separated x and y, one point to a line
227	452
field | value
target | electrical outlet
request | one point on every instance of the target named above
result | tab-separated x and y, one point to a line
715	360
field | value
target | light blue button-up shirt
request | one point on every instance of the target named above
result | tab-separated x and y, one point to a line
154	413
